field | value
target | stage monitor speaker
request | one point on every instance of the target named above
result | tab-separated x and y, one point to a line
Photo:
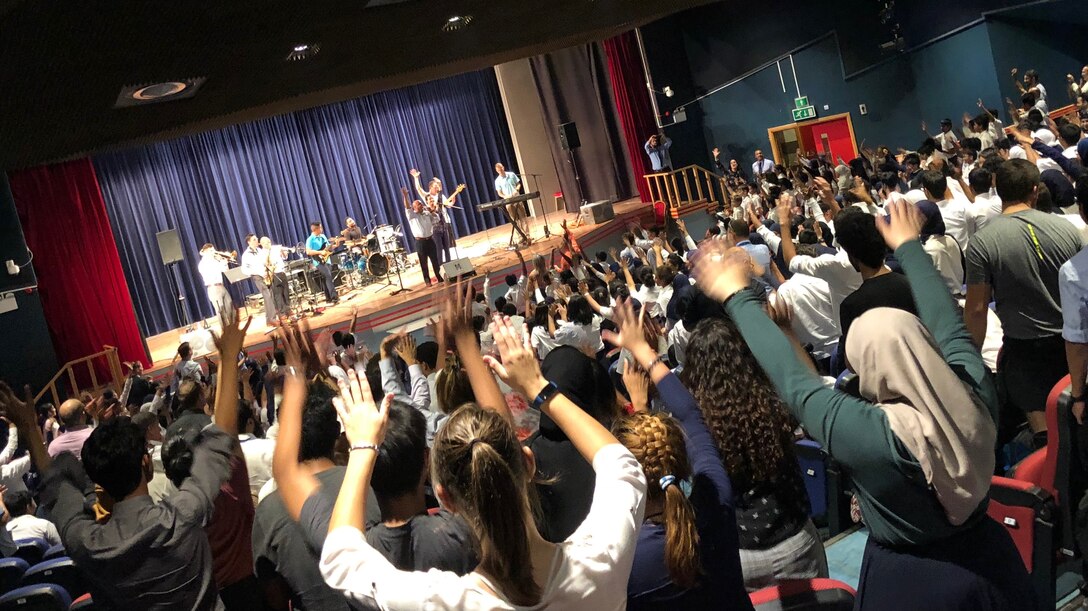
598	212
458	268
568	136
169	246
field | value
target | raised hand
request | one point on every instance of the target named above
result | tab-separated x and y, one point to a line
717	152
455	309
21	413
1014	72
721	271
824	188
517	364
631	327
406	350
924	127
364	421
781	313
638	385
231	335
583	287
414	172
783	207
902	224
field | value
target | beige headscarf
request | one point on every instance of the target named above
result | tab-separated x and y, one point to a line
943	424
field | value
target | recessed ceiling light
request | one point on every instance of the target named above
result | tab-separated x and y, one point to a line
150	93
456	22
303	51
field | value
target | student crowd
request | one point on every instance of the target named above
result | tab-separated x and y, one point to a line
616	430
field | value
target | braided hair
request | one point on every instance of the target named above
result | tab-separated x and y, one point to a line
657	441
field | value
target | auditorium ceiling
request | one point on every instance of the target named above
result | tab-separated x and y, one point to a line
64	64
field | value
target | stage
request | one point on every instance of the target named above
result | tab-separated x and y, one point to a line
379	312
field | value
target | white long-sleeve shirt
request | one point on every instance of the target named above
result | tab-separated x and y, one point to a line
588	571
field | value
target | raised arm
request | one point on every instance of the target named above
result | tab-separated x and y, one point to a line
293	484
21	413
785	243
365	424
519	368
417	183
935	307
457	313
229	343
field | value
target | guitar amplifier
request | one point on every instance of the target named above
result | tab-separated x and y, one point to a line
458	268
598	212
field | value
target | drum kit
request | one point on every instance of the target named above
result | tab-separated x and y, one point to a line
371	258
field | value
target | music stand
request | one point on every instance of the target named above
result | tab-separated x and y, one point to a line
235	275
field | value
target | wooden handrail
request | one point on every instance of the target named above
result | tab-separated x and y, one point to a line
113	363
665	186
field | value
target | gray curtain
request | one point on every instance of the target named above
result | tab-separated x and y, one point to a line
573	86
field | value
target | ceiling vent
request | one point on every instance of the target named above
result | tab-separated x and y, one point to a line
152	93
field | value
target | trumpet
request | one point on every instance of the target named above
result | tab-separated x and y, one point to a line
225	256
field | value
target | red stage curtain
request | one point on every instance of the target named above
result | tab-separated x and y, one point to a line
83	291
632	101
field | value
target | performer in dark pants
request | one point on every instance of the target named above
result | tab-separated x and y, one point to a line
421	222
318	248
253	259
276	269
438	204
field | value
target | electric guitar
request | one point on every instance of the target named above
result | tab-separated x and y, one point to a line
435	204
323	255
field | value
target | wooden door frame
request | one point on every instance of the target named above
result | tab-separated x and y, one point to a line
771	131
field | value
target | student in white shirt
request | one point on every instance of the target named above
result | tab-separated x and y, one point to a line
1032	85
23	523
577	329
987	204
814	322
942	248
953	210
481	471
946	139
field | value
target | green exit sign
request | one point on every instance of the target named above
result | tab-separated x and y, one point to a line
800	102
804	114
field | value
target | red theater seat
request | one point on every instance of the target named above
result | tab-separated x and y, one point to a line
805	595
1028	514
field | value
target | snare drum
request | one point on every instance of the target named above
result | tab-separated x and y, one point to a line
377	264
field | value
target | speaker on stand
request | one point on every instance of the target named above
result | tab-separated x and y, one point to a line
568	139
170	251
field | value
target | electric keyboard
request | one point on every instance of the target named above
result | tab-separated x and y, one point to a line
517	199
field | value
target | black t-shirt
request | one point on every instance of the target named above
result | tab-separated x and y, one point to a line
442	541
884	291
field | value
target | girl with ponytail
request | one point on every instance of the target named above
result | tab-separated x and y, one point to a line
687	552
480	471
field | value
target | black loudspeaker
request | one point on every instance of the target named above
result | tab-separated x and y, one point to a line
568	136
169	246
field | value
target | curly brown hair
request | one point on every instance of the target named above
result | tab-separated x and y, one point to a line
752	429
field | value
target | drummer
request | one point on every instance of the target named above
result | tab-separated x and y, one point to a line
352	231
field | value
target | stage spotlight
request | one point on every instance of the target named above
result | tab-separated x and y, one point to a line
456	22
303	51
668	91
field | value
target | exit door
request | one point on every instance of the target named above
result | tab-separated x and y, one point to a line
834	134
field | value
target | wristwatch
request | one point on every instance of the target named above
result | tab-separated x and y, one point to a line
1080	399
545	395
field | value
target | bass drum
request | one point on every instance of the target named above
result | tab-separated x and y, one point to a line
377	264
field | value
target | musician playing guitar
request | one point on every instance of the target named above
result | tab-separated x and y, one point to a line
438	203
507	185
319	249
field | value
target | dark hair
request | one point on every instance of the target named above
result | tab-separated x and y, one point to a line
511	280
478	460
248	236
578	310
1027	99
320	428
750	425
452	387
315	224
602	256
427	353
1070	134
665	274
184	350
657	441
1016	180
913	159
509	309
113	457
858	235
934	184
888	179
347	339
17	502
974	145
500	303
714	230
981	180
398	468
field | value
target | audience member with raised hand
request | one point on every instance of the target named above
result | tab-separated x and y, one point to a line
480	471
918	444
231	526
754	436
687	544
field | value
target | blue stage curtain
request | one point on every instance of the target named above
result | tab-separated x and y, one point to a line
274	176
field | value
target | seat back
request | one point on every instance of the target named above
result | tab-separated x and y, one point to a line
11	571
1054	442
83	603
54	552
40	597
61	571
805	595
1027	512
812	461
31	550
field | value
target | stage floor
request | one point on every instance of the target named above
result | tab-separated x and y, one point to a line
380	312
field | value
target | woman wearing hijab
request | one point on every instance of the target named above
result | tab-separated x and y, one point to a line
567	480
941	248
919	443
